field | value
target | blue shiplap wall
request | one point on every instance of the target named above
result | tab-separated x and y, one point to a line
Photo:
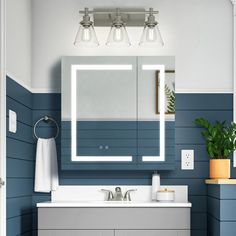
20	162
187	136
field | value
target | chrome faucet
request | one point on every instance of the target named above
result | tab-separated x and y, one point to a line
127	196
110	195
118	196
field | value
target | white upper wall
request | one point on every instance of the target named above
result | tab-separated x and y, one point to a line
197	32
18	40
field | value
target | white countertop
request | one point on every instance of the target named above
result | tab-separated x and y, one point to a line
113	204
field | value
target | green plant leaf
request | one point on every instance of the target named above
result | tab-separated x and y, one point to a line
220	138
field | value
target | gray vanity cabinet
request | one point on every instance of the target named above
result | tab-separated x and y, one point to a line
76	233
152	233
109	221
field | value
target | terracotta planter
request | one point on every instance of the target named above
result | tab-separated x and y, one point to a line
220	168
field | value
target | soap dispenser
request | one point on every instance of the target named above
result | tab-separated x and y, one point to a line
155	185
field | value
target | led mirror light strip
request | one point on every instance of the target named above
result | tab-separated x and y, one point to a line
160	68
74	157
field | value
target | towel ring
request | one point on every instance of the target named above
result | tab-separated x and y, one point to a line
46	119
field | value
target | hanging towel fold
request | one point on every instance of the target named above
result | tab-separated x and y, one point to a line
46	168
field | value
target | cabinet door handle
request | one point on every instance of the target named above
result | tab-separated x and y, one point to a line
100	147
106	147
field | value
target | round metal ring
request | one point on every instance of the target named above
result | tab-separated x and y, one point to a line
46	118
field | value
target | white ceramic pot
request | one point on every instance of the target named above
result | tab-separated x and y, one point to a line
165	195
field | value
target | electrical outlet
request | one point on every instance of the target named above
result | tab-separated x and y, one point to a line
187	159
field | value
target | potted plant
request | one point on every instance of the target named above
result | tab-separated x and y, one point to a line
220	144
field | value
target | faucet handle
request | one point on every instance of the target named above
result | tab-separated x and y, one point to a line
110	195
127	196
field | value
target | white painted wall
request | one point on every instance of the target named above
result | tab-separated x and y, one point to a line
18	40
197	32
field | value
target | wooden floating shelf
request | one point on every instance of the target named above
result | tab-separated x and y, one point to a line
220	181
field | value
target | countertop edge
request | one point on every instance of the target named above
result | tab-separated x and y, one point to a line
114	205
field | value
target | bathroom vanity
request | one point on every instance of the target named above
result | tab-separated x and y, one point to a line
107	220
113	218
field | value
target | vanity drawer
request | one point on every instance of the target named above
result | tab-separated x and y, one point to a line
75	232
152	233
114	218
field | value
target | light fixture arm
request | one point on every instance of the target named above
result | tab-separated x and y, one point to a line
120	11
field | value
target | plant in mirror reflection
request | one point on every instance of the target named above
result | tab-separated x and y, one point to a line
170	96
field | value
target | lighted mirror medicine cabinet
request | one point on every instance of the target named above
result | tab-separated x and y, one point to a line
118	113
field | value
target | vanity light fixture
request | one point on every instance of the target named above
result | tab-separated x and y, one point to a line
118	19
151	34
118	35
86	35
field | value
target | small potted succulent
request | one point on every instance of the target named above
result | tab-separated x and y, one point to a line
220	144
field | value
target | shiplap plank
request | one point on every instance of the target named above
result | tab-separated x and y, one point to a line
198	221
18	187
19	206
19	93
188	136
17	168
47	101
19	225
195	232
20	149
204	102
199	203
187	118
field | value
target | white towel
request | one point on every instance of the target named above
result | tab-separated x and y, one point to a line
46	169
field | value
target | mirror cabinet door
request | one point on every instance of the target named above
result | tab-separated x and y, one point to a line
156	110
103	109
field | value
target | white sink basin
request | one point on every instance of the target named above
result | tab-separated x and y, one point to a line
92	196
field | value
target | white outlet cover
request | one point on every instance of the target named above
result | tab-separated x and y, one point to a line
12	121
187	159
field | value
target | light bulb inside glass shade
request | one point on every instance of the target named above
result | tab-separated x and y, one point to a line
118	37
151	36
86	36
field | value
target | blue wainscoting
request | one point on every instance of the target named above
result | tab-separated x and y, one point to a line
20	162
187	136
